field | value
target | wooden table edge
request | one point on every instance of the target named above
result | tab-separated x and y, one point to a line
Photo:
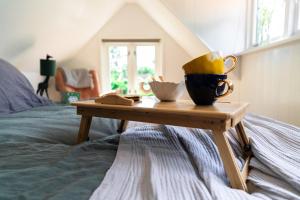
208	115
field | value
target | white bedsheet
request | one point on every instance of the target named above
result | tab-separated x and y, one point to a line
167	162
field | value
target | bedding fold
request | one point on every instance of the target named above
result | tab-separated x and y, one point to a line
78	78
167	162
39	158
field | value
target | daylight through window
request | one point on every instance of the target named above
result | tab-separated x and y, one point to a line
273	20
269	20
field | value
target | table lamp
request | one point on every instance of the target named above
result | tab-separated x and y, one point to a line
47	68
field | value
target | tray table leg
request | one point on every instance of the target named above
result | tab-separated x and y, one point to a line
231	168
245	141
123	126
243	137
84	128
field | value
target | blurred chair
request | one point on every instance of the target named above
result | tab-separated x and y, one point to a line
85	93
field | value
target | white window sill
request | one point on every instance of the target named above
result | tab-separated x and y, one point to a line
270	45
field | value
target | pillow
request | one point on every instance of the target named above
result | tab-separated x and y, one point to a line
16	92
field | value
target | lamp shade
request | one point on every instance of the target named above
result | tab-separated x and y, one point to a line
47	67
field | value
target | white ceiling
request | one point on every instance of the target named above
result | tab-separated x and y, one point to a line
221	24
32	28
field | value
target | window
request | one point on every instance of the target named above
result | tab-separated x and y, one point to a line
130	64
118	67
272	20
297	15
146	66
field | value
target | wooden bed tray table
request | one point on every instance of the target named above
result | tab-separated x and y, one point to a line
219	118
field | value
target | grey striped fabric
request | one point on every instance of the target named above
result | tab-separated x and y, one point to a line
168	162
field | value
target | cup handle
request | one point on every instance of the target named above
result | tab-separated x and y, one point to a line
143	88
230	88
234	62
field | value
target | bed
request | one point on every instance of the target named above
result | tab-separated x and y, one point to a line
169	162
38	158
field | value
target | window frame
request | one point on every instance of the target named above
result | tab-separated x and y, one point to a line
296	19
132	65
292	15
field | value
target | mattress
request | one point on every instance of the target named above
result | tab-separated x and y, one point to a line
38	159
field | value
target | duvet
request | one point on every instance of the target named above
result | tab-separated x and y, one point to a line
38	158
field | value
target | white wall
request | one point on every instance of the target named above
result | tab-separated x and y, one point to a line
221	24
30	29
189	41
267	79
33	28
270	82
131	22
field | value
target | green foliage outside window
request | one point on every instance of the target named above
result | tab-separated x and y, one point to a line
119	80
145	71
263	24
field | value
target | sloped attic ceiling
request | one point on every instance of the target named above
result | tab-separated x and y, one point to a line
32	28
221	24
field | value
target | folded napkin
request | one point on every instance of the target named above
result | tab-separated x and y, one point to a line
78	78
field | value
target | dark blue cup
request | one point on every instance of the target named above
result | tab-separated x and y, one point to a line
205	89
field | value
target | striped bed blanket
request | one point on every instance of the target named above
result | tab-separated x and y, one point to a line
167	162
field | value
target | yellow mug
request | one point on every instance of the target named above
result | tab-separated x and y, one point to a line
210	63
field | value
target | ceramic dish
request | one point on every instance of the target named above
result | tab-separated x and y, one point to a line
167	91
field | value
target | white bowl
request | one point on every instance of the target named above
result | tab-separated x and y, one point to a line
167	91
